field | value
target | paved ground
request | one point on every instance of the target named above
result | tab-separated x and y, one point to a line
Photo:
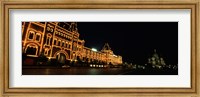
72	71
51	70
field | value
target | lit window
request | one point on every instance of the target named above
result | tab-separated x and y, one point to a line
58	42
48	40
31	35
38	37
55	42
63	44
46	52
66	44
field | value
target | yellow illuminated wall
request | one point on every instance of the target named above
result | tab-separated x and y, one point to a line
54	38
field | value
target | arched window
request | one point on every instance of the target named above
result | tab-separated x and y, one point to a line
55	42
31	35
48	40
74	56
46	51
58	42
66	44
63	43
38	37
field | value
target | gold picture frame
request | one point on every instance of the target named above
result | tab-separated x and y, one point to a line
193	5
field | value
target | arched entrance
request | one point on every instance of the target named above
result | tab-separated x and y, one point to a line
31	50
61	58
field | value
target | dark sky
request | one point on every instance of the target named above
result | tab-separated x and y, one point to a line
134	41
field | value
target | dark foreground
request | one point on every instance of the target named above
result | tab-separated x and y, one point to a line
49	70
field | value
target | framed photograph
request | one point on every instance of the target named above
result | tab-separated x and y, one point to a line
100	48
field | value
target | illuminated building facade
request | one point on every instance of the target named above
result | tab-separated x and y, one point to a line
60	40
155	61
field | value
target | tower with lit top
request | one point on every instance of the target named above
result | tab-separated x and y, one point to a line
111	58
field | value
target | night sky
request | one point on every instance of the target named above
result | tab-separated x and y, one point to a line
134	41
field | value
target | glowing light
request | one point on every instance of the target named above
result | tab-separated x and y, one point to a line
93	49
115	55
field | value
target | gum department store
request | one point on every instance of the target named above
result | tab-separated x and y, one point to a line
60	40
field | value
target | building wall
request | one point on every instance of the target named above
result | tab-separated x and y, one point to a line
54	38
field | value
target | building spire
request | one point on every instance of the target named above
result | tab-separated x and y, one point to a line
106	47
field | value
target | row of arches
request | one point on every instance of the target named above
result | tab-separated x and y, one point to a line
33	49
61	56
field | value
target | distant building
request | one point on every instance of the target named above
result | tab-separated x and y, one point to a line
156	61
60	40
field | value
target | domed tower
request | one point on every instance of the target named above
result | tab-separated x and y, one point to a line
155	61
